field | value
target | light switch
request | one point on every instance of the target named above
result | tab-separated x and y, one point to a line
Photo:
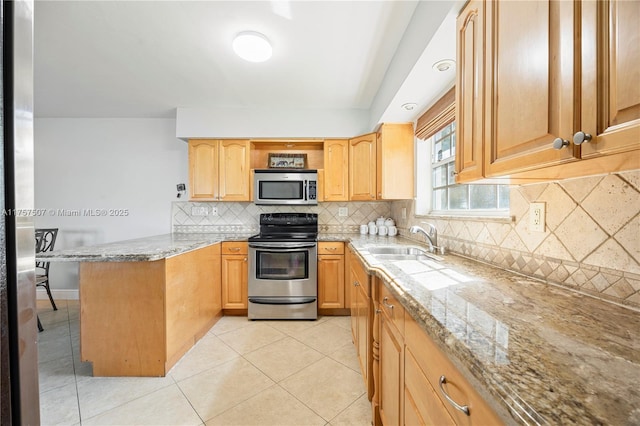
343	211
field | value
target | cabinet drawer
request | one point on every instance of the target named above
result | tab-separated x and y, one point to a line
235	247
434	364
331	247
391	307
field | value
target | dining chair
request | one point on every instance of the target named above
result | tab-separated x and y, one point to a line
45	240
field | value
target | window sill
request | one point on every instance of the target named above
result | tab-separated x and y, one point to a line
485	217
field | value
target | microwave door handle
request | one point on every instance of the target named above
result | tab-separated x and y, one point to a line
306	185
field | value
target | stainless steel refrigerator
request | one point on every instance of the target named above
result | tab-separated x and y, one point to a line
19	396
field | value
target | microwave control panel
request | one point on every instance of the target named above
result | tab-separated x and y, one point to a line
312	189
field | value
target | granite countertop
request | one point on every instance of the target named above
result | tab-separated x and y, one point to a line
140	249
543	353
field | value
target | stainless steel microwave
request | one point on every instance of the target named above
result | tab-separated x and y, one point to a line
285	187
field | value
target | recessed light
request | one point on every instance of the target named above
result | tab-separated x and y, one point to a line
252	46
409	106
444	65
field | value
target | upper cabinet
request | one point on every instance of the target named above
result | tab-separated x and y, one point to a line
556	92
336	170
394	161
362	168
470	92
219	170
530	77
610	77
381	165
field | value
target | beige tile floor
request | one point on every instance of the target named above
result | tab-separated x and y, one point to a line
240	373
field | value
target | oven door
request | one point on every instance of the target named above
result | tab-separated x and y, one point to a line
283	269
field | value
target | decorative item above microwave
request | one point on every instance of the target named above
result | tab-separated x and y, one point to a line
287	161
285	187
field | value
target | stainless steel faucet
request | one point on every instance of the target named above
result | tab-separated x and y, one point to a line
431	235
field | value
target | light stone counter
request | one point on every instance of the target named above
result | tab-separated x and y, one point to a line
140	249
545	354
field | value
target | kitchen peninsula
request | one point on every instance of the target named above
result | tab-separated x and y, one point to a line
145	302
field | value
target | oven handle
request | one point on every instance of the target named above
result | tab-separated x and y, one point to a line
283	247
282	300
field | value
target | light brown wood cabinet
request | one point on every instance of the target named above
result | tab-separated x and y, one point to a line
331	275
425	400
234	275
388	358
140	318
219	170
395	161
610	83
470	92
381	164
362	168
336	170
362	319
551	71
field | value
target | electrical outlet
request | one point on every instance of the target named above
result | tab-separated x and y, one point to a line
199	211
343	211
214	211
537	217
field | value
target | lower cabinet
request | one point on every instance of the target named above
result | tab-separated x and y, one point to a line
361	319
435	390
388	357
235	275
408	371
331	275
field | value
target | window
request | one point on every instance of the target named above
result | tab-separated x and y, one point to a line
448	196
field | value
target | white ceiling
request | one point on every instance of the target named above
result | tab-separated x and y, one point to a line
146	58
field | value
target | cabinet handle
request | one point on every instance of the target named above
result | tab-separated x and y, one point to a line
331	248
581	137
378	311
234	249
463	408
384	302
560	143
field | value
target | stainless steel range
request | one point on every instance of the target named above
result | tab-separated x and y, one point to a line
283	267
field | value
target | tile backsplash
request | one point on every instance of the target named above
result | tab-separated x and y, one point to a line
591	242
244	217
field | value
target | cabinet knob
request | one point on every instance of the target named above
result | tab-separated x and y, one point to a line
560	143
245	259
356	283
581	137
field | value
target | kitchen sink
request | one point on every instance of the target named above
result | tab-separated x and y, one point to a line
397	250
402	253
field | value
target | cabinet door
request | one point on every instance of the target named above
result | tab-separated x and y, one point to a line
336	170
470	92
529	84
233	177
234	281
394	161
362	167
391	372
203	169
610	79
330	281
362	318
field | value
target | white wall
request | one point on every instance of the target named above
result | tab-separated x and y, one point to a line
131	164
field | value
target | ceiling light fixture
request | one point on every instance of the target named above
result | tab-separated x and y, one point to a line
444	65
252	46
409	106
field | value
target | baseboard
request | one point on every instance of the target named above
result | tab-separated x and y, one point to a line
68	294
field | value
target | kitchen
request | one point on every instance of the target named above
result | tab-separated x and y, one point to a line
590	242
